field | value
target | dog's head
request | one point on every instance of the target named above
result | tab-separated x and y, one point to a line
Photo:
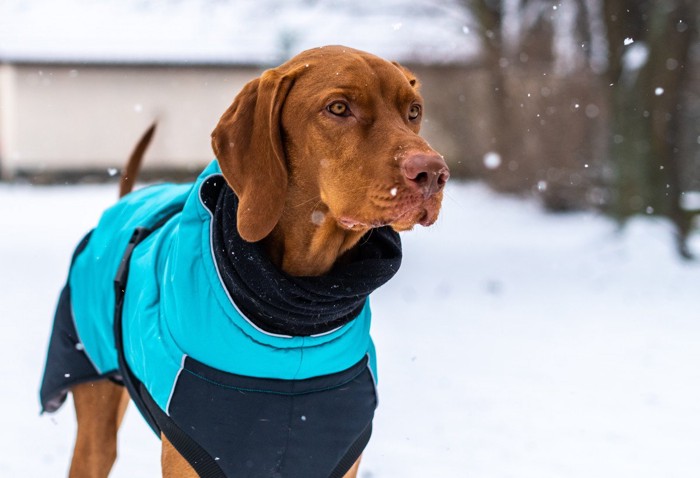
341	126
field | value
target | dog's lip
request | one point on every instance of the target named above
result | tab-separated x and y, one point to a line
353	224
424	219
349	223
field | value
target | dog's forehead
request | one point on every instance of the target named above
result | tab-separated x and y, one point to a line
343	66
335	54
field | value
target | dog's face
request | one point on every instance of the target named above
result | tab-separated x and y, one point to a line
351	123
340	125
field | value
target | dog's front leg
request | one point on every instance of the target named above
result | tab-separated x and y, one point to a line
352	472
173	464
99	408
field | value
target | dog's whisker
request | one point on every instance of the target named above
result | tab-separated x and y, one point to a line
451	198
303	203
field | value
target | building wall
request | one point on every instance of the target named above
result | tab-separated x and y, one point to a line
8	124
58	118
78	118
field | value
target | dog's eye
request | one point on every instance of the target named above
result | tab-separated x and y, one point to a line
414	112
339	108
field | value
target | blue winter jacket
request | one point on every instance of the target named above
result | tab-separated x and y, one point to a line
177	306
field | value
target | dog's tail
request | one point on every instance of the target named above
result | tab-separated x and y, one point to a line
128	177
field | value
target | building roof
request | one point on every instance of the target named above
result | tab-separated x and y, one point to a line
253	32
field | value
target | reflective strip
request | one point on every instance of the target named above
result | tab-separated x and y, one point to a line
172	390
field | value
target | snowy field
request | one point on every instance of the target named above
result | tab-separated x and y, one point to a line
512	343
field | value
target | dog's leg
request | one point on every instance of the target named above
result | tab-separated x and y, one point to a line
352	472
174	465
99	407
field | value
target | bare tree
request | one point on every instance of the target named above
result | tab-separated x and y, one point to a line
649	61
511	33
637	53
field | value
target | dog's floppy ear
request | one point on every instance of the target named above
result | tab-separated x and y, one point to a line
247	142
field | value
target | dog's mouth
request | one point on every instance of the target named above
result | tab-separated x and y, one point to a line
402	214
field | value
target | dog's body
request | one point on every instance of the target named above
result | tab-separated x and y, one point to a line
243	333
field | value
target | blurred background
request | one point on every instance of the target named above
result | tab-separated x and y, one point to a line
580	103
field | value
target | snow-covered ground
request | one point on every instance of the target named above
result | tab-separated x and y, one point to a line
512	343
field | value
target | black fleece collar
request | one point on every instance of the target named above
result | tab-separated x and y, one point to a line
287	305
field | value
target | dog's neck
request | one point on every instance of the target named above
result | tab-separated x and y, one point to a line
307	241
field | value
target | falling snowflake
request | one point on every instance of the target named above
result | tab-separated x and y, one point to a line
492	160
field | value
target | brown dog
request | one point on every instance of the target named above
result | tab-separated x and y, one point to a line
318	151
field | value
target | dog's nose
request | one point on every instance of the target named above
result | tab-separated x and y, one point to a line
427	173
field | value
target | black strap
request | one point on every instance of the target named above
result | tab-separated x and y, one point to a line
120	280
196	456
353	453
159	422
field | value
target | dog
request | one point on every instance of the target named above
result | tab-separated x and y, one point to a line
234	310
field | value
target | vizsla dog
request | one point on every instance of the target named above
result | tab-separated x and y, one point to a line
234	310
